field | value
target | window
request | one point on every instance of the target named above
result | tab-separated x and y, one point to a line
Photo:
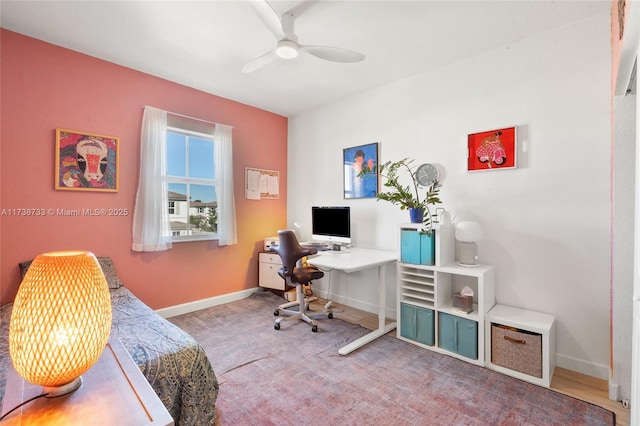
191	183
195	162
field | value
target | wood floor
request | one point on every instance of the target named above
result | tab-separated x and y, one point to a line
578	385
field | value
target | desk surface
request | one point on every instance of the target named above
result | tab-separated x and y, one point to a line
354	259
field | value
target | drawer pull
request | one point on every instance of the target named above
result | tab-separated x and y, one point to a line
511	339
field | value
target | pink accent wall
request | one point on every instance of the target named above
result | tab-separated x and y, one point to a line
45	87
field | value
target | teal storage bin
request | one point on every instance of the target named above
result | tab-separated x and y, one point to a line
417	323
417	249
458	335
428	249
409	246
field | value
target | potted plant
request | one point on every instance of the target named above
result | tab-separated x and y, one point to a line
407	197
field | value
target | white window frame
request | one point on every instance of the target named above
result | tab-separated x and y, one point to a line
191	181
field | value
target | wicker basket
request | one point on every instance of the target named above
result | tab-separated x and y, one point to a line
516	350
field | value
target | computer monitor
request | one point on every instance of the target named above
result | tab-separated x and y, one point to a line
331	224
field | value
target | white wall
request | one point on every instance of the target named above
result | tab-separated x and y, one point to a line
546	223
623	228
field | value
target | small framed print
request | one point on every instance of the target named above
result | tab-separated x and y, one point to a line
492	150
353	161
86	161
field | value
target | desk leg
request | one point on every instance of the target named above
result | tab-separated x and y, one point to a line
382	327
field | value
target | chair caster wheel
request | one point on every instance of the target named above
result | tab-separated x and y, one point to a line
276	312
314	328
277	326
330	316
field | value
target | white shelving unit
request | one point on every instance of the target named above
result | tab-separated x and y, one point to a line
426	314
418	287
535	322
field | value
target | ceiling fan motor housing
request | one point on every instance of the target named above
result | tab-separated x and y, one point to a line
287	49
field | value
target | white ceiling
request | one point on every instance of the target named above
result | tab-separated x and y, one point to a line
205	44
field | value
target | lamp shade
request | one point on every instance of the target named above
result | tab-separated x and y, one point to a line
61	319
468	231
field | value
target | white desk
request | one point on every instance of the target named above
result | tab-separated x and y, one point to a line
357	259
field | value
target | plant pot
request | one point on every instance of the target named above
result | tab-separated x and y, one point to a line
416	215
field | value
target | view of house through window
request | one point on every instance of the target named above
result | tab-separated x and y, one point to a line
191	182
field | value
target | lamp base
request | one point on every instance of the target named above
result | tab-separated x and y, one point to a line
466	253
468	265
55	391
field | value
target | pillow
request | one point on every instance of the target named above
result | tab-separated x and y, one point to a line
105	262
109	272
24	267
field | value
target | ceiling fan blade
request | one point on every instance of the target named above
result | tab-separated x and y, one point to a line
259	62
288	27
333	54
269	17
302	7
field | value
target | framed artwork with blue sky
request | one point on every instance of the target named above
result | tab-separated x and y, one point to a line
353	160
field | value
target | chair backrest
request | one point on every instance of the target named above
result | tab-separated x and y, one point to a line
290	250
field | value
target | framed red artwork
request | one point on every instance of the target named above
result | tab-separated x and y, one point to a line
492	150
86	161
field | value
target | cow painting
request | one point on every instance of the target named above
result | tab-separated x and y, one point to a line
92	158
86	161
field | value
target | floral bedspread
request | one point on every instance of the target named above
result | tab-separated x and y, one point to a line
175	365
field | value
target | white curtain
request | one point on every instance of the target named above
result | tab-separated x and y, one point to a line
151	230
227	234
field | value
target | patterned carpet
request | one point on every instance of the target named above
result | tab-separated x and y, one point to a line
293	376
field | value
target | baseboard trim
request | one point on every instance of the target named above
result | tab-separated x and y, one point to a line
196	305
614	391
598	371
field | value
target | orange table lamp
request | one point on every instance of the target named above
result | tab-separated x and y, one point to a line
61	320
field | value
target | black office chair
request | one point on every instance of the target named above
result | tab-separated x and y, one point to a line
296	274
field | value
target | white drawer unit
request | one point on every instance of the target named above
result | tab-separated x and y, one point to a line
268	265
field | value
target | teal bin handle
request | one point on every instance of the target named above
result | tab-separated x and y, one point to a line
455	334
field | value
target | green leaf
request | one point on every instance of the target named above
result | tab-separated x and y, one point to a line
404	196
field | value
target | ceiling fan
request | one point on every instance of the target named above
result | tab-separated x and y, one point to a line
287	46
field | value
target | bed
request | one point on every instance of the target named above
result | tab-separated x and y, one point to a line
172	361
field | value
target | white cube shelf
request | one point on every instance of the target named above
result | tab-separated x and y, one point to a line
535	322
425	300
